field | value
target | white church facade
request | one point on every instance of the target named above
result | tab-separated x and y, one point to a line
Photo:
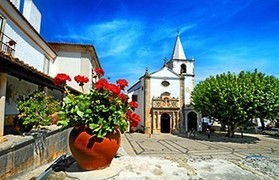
164	96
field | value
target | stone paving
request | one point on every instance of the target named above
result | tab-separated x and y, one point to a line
183	149
202	158
218	146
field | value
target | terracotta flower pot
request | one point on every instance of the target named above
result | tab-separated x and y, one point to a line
93	153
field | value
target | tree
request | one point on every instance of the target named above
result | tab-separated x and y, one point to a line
266	97
236	100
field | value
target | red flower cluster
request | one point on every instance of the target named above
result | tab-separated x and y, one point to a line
101	84
81	79
99	71
61	78
122	83
134	118
115	89
123	97
113	92
133	104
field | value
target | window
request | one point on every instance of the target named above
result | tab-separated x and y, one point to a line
1	23
165	83
1	27
134	97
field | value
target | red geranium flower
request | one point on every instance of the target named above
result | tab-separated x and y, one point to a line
122	83
133	104
134	118
61	78
81	79
123	97
114	89
101	84
99	71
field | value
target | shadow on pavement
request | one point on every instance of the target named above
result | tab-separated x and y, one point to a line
221	137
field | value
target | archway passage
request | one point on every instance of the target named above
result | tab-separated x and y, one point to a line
165	123
192	121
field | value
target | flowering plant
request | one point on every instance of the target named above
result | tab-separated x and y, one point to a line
102	110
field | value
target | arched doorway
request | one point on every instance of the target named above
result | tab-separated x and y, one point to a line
192	121
165	123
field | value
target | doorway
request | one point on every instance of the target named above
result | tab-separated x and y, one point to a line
192	121
165	123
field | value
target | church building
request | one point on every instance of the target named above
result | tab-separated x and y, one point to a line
164	96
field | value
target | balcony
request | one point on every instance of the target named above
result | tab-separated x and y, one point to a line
7	45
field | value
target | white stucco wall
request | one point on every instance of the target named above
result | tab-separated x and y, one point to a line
32	14
72	63
189	87
16	3
156	83
25	49
157	88
138	90
176	66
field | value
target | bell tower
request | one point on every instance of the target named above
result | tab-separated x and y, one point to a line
184	67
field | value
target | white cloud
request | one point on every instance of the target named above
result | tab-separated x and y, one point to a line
112	38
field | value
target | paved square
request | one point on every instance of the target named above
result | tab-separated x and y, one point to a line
218	146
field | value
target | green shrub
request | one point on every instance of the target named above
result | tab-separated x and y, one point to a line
36	108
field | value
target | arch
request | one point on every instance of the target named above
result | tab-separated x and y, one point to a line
192	121
165	123
183	68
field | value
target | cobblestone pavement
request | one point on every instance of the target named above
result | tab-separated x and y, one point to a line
218	146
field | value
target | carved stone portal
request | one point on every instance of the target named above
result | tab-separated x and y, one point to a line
165	114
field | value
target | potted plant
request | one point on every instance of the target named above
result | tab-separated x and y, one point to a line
35	110
98	118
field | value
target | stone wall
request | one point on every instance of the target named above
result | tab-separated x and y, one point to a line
20	154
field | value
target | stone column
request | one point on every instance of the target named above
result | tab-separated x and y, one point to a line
159	122
154	118
147	118
174	121
3	85
182	103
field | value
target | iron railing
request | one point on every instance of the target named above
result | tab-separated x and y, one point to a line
7	45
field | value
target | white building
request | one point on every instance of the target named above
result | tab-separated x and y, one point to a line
164	96
28	62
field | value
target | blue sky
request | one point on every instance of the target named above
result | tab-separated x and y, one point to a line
132	35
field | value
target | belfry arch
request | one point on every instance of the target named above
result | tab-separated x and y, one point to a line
183	69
